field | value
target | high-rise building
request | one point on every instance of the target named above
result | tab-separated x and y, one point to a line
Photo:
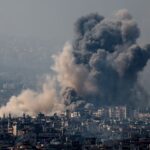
118	112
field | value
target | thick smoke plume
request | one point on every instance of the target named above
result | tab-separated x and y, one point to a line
100	67
108	49
31	102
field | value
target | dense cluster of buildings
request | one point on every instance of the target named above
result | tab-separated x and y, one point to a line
89	129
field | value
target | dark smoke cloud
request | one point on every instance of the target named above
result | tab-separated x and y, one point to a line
108	48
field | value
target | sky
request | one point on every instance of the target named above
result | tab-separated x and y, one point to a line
53	20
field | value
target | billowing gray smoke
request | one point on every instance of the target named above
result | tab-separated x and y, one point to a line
101	67
108	49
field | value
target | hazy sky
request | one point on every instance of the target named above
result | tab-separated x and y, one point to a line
53	20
